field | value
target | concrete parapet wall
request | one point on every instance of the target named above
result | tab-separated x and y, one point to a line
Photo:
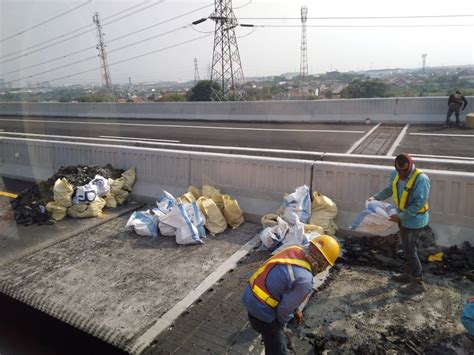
451	203
257	183
401	110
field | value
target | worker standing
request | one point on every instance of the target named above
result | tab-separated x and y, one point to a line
281	284
456	103
410	188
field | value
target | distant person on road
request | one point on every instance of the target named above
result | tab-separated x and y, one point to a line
456	103
278	288
410	188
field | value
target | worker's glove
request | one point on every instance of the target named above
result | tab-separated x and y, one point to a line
299	317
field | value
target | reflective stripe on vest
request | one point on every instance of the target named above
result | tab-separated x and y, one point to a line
402	203
293	255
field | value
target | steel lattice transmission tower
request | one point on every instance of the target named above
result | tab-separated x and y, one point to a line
226	66
106	80
304	49
196	71
423	57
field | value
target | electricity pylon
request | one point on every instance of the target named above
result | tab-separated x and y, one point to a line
104	66
304	52
226	66
196	71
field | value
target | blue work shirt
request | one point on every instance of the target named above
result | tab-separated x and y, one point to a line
291	291
417	198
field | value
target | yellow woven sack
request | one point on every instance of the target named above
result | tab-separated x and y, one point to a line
56	211
121	196
269	220
232	212
215	221
208	191
129	177
195	191
62	192
92	209
110	200
117	184
308	228
323	211
188	197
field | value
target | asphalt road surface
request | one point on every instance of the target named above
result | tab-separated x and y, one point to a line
381	139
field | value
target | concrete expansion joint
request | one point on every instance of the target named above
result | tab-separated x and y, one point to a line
167	320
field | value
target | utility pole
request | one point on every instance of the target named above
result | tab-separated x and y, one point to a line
226	66
196	71
304	51
106	80
423	65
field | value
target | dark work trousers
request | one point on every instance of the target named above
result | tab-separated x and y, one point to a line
272	335
450	112
410	252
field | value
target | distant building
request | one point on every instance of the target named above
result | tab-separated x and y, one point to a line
3	84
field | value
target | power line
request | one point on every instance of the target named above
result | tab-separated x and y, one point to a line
113	40
158	23
46	21
365	26
77	35
132	58
354	17
242	6
95	56
49	61
45	47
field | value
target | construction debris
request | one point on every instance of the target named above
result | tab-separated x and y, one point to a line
50	200
386	253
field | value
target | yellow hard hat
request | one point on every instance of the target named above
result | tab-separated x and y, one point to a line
328	246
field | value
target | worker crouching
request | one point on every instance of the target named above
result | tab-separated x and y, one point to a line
281	285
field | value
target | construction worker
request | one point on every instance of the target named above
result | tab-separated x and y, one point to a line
410	188
456	103
278	288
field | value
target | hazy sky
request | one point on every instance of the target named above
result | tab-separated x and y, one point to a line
265	51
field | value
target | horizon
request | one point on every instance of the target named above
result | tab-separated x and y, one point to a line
265	51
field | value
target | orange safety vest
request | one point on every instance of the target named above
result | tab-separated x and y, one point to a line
293	255
402	202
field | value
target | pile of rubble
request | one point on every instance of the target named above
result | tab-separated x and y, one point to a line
394	340
386	253
37	204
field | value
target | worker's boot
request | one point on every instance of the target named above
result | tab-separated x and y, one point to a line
415	287
404	277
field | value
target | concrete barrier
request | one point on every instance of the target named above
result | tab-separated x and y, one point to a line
399	110
257	183
451	203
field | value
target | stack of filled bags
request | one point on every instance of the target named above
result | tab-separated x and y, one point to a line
88	200
299	220
188	217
